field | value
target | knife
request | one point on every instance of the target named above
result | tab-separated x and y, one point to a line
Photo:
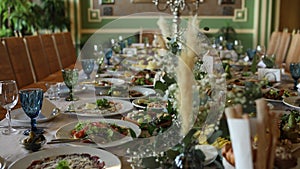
22	127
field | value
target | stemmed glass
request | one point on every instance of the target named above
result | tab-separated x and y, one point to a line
8	100
88	66
31	102
295	72
70	77
99	56
260	51
108	55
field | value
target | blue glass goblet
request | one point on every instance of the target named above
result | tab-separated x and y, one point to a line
88	66
295	73
108	56
31	102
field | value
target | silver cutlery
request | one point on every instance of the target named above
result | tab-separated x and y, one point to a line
65	140
22	127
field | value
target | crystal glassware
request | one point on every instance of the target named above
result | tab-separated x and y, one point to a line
88	66
70	77
31	101
295	73
8	100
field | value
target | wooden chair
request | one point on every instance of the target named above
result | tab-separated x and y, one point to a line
51	53
38	57
283	47
273	46
66	58
294	51
149	35
20	62
6	69
70	46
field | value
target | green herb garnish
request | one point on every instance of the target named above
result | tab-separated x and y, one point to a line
63	164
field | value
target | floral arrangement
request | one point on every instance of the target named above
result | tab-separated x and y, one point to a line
197	100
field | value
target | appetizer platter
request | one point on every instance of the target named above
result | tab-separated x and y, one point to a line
135	92
149	103
99	132
67	156
104	82
101	107
144	78
149	121
277	95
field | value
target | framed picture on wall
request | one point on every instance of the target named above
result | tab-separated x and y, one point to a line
107	1
221	2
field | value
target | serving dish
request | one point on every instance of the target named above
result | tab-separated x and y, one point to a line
89	108
65	132
111	161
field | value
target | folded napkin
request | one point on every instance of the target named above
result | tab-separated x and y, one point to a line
243	130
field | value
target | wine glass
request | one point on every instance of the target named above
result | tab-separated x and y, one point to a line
31	101
88	66
99	57
8	100
295	72
70	77
260	51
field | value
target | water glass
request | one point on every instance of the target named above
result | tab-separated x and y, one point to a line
53	90
295	73
70	77
88	66
31	102
8	100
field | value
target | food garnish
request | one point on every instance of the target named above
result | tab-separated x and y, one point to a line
101	132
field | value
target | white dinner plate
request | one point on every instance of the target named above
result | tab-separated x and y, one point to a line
111	161
161	101
145	91
46	114
114	81
292	101
81	109
65	132
2	163
274	101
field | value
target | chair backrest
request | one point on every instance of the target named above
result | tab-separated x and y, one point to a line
283	47
65	56
273	45
7	72
38	57
294	51
20	61
51	53
70	46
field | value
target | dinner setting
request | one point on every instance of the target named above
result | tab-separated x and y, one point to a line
158	84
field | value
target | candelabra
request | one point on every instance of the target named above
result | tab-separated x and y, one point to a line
176	7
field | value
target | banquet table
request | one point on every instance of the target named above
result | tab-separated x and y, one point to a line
11	149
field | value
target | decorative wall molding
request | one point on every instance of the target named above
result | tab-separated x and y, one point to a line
93	14
240	15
